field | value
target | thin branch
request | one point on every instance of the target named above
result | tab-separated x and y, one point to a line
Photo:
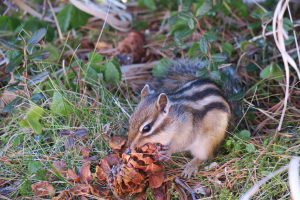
257	185
294	179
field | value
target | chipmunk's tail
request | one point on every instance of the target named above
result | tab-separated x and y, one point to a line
168	75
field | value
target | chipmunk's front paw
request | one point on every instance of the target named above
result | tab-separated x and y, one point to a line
191	168
162	153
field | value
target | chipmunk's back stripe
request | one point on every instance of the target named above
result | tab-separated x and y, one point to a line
202	94
199	114
190	85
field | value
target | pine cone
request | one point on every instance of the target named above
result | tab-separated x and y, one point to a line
134	172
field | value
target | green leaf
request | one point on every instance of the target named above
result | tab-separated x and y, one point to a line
244	135
32	119
203	45
215	75
112	73
79	18
9	23
96	62
245	45
161	67
227	48
35	38
53	51
272	71
203	8
15	59
18	140
25	188
59	105
64	17
187	18
148	3
71	17
10	106
250	148
219	57
32	25
34	166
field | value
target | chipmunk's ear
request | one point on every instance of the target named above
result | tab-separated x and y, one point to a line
162	103
146	91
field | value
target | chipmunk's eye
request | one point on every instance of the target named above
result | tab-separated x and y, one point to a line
146	128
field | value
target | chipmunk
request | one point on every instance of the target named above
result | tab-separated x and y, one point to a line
185	114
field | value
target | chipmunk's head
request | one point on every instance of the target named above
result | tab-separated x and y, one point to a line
151	120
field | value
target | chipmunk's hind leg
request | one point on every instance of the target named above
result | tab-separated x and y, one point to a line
211	134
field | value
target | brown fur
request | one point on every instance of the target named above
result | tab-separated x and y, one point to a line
184	125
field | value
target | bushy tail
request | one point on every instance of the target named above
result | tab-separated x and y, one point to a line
177	72
171	74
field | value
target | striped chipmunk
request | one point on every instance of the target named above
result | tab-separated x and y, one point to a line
183	113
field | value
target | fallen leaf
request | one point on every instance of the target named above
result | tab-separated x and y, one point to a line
60	166
70	142
156	180
100	174
153	168
85	172
85	152
112	159
63	195
160	193
81	133
98	191
103	46
3	182
117	142
42	189
7	97
80	190
64	133
105	166
72	176
86	44
5	160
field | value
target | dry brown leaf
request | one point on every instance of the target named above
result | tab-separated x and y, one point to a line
42	189
3	182
5	160
99	191
72	176
80	190
85	152
85	172
156	180
103	46
8	96
160	193
63	195
60	167
100	174
112	159
105	166
86	44
116	142
153	168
